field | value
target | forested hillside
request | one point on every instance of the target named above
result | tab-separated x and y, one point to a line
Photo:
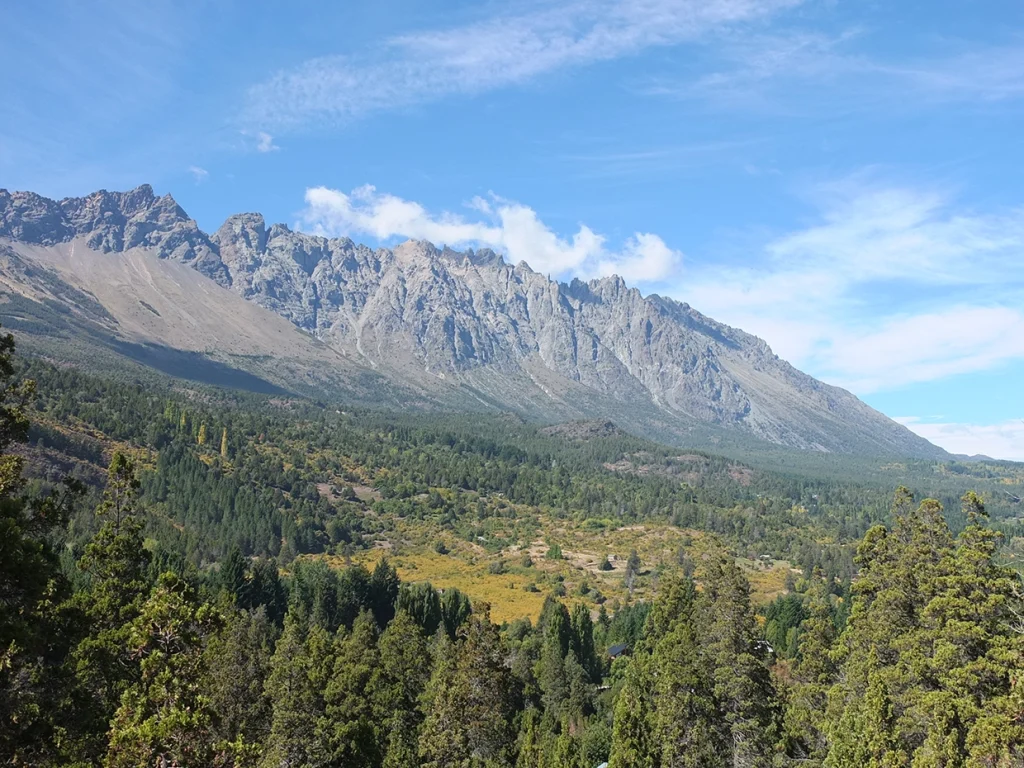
198	577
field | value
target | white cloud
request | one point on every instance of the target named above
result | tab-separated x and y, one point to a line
892	286
265	142
199	174
891	232
799	71
925	347
494	53
1000	441
509	227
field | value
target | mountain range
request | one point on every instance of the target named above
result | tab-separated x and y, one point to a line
415	326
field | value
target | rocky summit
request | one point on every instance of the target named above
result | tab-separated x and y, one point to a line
463	327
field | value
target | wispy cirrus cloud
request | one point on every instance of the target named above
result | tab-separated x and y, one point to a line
509	227
800	70
893	285
1004	440
494	53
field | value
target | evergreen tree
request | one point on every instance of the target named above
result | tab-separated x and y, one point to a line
632	570
813	673
556	631
384	586
396	686
299	672
421	602
582	642
349	724
741	681
265	590
455	610
232	574
165	718
238	662
688	728
116	562
532	752
578	704
31	688
633	744
470	702
929	658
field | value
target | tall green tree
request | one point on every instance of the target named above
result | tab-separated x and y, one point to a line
238	662
813	672
633	744
396	687
384	586
930	659
299	673
741	680
455	611
582	642
233	574
421	602
166	717
31	584
116	564
687	724
471	702
348	723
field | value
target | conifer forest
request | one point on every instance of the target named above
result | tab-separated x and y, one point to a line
194	577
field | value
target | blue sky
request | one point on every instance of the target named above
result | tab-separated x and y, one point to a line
840	177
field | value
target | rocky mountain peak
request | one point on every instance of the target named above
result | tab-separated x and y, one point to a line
444	320
113	222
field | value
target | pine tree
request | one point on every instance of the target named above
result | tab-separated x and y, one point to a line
396	686
224	443
32	691
929	657
116	562
455	611
421	602
238	660
299	672
556	643
532	753
813	673
349	725
730	641
165	718
582	642
470	702
232	574
578	704
264	589
633	744
688	727
632	570
201	437
384	586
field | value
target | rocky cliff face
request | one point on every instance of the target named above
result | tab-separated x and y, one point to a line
112	221
437	318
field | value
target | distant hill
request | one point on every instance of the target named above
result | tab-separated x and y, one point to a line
414	326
